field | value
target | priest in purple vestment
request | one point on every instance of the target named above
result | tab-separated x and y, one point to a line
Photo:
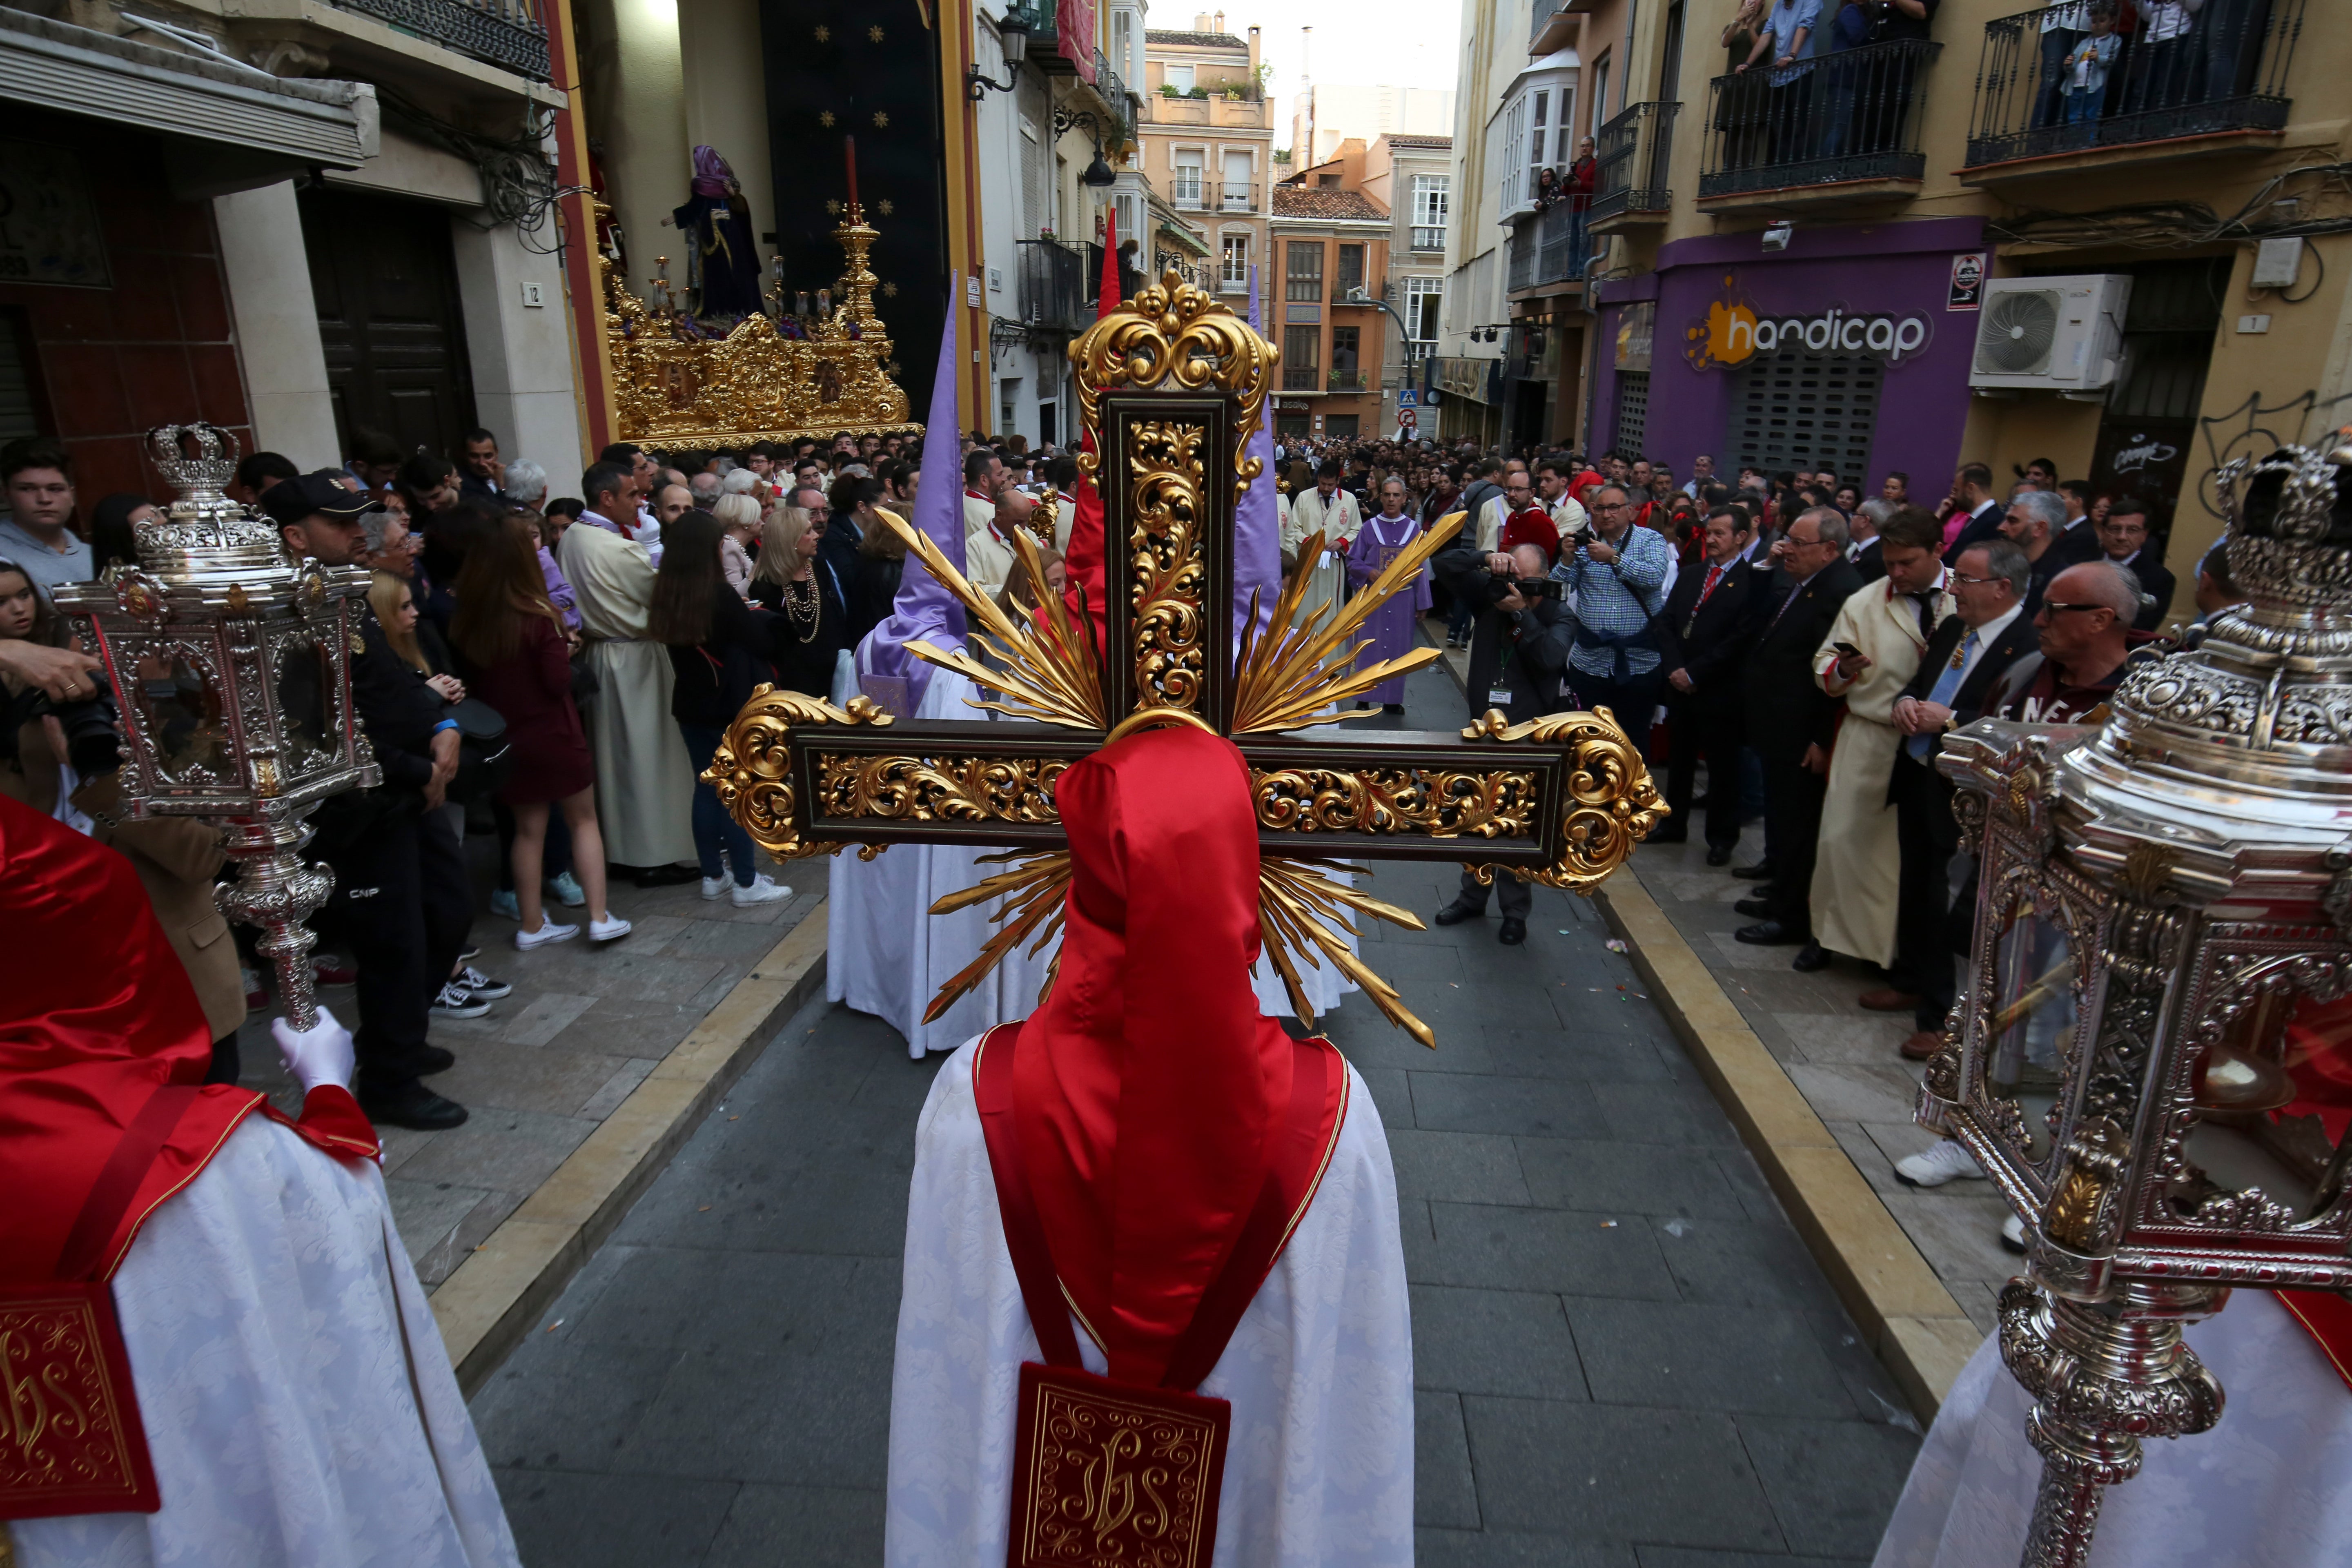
1379	542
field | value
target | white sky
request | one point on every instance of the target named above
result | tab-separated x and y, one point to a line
1360	43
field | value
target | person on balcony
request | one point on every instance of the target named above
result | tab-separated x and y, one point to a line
2063	27
1577	188
1886	79
2087	64
1788	40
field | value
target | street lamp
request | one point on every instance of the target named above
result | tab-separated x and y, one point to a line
2158	896
1013	36
231	668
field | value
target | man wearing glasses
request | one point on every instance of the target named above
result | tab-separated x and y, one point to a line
1620	577
2085	629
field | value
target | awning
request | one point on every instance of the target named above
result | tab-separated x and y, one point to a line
252	121
1184	238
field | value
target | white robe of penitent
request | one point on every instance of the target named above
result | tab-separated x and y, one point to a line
645	780
2265	1489
1318	1470
299	1407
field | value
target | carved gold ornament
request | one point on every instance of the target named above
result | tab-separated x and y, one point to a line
1174	335
1612	804
752	769
1168	561
672	388
1046	672
939	789
1432	802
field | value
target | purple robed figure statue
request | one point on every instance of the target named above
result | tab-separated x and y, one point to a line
1380	541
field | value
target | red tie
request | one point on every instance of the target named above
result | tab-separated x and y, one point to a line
1713	575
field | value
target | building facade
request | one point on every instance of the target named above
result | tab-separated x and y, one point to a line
1330	242
1324	114
1413	177
1207	138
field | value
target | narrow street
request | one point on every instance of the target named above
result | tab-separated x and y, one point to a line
1625	1356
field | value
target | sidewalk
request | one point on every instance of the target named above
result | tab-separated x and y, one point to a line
1624	1355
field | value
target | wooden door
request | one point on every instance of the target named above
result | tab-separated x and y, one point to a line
385	280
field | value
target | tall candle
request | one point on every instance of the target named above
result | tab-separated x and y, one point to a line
850	157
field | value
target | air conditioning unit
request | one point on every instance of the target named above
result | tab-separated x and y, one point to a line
2058	334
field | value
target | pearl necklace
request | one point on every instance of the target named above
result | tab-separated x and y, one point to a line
802	604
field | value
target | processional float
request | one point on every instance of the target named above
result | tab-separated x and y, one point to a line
2163	902
1171	387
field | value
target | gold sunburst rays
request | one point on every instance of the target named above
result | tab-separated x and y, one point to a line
1290	674
1035	891
1302	908
1047	673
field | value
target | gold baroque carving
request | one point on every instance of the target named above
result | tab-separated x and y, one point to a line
1612	804
939	789
753	768
1173	334
671	389
1440	803
1170	563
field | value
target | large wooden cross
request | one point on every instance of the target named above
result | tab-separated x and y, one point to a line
1169	387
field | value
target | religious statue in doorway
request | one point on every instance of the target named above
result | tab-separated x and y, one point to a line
722	266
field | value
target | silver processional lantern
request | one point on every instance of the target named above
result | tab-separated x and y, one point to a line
231	670
2164	901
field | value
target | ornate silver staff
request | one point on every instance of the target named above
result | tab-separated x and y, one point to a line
2156	897
231	667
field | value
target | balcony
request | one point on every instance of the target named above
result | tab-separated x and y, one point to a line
1237	199
508	33
1235	109
1429	237
1555	23
1634	152
1301	378
1844	131
1053	289
2219	89
1184	192
1548	248
1348	381
1347	287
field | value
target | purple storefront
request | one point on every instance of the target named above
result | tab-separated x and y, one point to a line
1847	350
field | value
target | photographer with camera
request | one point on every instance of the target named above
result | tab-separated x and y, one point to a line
1619	574
1517	654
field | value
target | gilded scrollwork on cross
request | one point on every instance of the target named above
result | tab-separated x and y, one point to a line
938	789
1389	802
1169	585
1611	806
1174	336
753	771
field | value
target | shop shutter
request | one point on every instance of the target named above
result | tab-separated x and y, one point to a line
1798	410
19	413
1632	410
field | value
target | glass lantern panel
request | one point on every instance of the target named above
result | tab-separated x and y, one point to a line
182	711
2031	1017
306	706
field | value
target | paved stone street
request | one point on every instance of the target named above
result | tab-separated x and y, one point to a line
1625	1357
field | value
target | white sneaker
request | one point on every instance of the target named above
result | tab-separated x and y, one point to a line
2013	1234
760	891
1948	1160
714	885
549	931
608	927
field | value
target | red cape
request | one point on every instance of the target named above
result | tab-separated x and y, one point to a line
96	1017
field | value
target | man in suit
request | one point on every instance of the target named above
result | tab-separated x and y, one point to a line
1972	493
1790	721
2125	538
2032	523
1968	653
2076	538
1710	622
1865	551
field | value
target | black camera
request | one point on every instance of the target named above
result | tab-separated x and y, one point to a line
1539	587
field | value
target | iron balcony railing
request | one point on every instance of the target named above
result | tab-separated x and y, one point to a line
1853	115
2048	83
1238	199
1053	287
1551	247
1348	381
1185	192
1633	152
1428	236
1301	378
1416	350
504	33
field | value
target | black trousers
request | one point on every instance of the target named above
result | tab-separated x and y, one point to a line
1630	702
1928	836
407	905
1709	726
1513	896
1793	794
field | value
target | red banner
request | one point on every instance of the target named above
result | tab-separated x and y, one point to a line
1074	29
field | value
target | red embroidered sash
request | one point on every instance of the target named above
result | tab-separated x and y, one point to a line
1103	1472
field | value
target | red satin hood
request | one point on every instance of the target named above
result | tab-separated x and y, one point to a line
1148	1091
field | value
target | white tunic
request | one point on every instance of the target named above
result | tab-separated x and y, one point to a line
298	1405
1319	1467
2262	1489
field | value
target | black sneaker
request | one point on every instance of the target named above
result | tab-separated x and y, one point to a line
412	1106
481	987
455	1002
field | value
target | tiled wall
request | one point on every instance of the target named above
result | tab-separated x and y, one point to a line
155	348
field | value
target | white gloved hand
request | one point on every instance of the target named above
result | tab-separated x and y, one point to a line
318	1055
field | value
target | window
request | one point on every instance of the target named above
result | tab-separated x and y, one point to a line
1326	182
1599	94
1237	192
1122	33
1346	342
1351	271
1515	131
1185	189
1180	78
1567	153
1302	359
1430	194
1538	139
1302	266
1423	297
1234	274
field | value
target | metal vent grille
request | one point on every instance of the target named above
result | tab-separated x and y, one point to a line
1796	410
1632	410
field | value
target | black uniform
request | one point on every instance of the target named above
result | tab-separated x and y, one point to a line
1709	639
1788	711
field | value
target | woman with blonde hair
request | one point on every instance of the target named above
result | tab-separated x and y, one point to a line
793	584
506	624
740	523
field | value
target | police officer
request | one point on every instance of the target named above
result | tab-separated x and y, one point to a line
400	873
